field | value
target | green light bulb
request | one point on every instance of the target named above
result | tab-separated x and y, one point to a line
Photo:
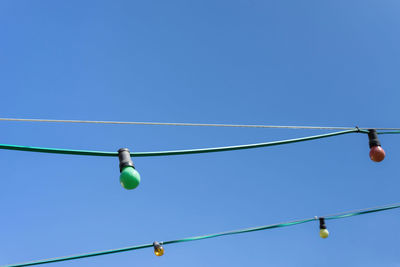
129	178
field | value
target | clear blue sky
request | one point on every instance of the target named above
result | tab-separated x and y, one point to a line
331	63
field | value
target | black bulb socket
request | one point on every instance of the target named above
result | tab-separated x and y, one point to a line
373	138
322	224
124	159
156	245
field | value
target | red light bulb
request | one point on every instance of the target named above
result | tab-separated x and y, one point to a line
377	153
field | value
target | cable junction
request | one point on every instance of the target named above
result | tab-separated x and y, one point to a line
341	215
194	124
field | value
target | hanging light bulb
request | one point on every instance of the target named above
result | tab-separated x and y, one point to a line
323	232
376	152
158	249
129	177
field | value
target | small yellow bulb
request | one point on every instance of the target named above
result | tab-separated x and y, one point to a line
324	233
158	249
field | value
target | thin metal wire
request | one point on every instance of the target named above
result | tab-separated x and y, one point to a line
192	124
341	215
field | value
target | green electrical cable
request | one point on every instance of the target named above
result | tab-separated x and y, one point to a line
361	212
389	132
174	152
241	231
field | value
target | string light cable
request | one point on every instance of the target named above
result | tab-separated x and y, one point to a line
130	178
159	249
191	124
182	152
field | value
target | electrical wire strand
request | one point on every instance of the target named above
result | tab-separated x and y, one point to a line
389	132
341	215
193	124
181	152
174	152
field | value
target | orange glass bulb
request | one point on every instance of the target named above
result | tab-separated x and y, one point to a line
158	249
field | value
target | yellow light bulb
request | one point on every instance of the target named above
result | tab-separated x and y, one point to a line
158	249
324	233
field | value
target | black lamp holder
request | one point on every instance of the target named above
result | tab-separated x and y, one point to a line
124	159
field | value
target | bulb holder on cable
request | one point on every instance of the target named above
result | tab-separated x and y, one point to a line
376	153
323	232
158	249
129	177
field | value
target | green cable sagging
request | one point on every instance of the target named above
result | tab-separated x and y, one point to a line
239	147
180	152
58	151
173	152
195	238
